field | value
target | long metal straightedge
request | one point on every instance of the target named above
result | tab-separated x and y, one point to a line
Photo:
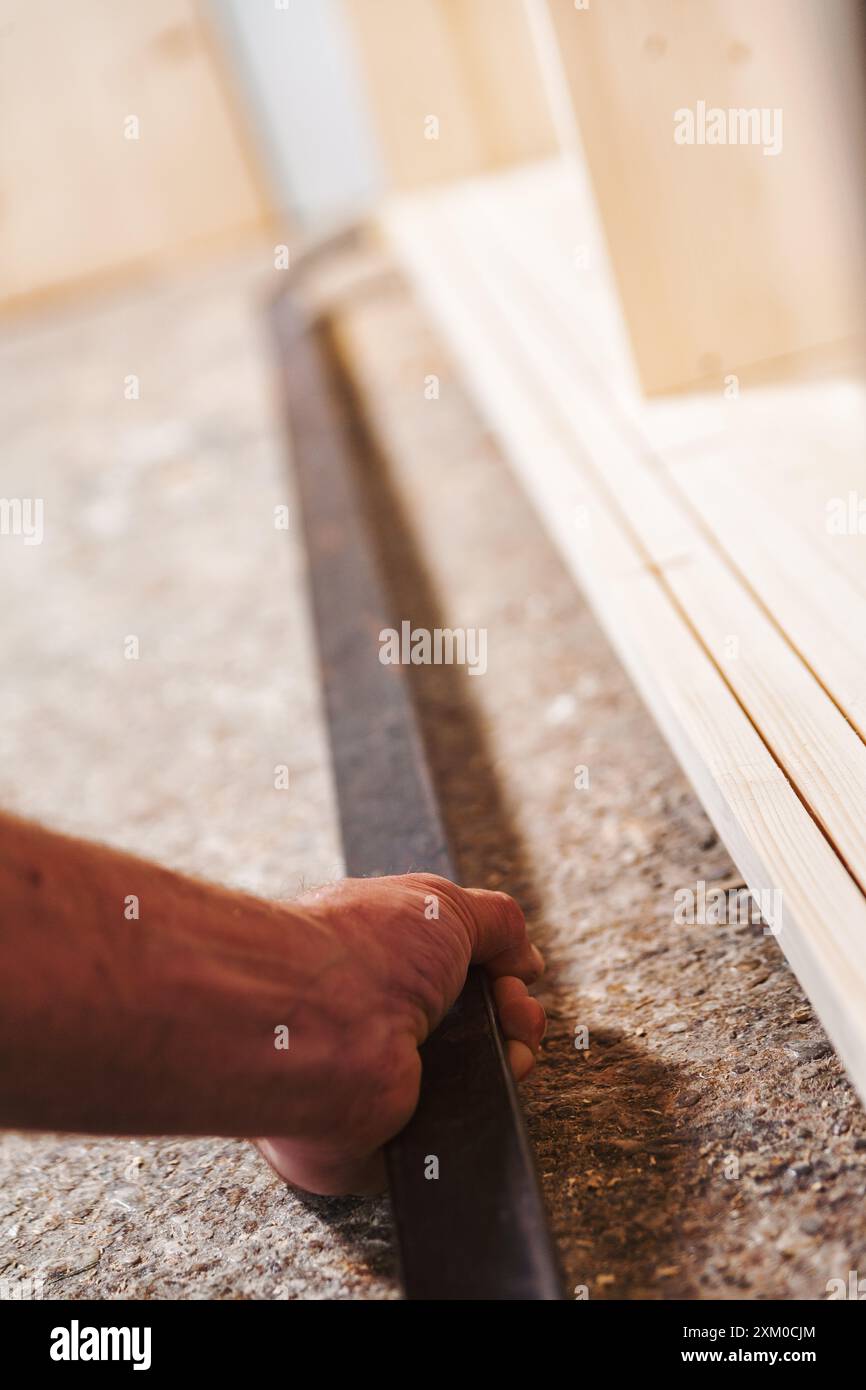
479	1230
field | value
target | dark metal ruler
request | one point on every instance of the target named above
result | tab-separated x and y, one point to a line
478	1230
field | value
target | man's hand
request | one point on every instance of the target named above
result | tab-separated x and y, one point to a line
136	1000
395	952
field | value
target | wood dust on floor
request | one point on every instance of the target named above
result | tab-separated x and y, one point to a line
695	1133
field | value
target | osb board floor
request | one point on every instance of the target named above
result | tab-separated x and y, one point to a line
159	522
702	1050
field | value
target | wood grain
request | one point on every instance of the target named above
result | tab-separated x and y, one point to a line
463	63
80	200
780	769
724	255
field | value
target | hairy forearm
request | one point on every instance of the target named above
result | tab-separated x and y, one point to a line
136	1000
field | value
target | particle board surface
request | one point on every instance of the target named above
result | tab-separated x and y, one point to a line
706	1143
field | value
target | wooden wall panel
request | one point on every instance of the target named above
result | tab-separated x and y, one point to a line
471	64
79	200
724	255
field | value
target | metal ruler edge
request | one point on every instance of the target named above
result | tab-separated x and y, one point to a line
478	1230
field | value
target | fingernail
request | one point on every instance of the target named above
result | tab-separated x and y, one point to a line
538	959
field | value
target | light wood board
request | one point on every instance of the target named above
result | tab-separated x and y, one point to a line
86	193
743	633
467	65
747	242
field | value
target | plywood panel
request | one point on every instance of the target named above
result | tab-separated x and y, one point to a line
77	198
470	64
725	253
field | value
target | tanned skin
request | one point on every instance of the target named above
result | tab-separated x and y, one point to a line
168	1023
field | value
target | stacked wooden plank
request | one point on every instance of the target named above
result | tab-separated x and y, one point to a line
716	535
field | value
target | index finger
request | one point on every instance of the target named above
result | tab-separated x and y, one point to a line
499	940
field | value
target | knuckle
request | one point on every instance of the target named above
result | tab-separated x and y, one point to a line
512	916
